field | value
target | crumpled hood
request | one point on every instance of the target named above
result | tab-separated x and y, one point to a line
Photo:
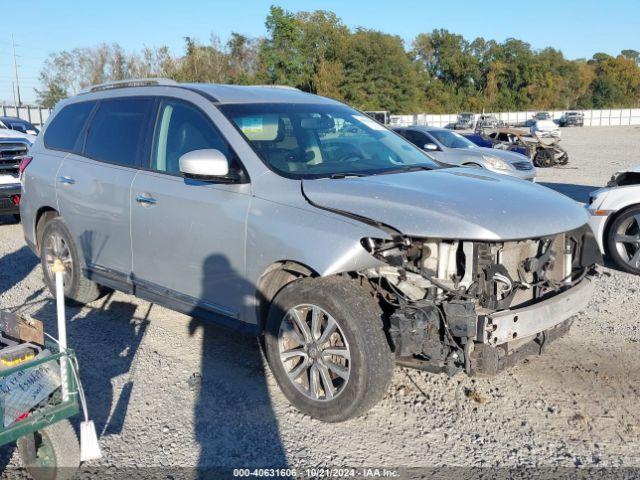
453	203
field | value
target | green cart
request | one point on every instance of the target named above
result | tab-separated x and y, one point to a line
47	442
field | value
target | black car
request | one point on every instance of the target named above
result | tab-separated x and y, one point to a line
572	119
19	125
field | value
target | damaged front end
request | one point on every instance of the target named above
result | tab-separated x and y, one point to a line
475	306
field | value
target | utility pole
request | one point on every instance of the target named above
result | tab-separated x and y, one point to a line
15	68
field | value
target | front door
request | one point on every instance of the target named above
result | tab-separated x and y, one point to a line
188	236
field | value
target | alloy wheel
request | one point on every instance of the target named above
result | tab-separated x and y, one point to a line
56	247
314	352
627	241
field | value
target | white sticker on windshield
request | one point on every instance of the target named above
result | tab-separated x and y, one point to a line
372	124
251	125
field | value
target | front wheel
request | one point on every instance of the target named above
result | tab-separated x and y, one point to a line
52	453
327	349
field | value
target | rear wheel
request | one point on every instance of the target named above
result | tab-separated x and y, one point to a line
623	240
57	242
52	453
327	349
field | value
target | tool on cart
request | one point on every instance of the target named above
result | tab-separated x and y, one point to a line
40	390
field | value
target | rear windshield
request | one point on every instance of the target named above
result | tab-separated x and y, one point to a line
311	140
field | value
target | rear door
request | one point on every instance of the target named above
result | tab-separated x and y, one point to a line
188	235
94	185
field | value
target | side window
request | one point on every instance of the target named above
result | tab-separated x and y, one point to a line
417	138
181	129
118	131
65	129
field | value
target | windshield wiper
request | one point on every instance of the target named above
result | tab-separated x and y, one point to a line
346	174
406	168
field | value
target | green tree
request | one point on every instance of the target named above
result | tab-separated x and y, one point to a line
379	74
51	95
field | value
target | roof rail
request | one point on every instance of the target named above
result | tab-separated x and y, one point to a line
134	82
284	87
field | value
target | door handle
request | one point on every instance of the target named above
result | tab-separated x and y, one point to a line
66	180
145	199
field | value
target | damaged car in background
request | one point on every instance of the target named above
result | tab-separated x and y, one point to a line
296	217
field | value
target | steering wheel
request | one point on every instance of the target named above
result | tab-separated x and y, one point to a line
350	155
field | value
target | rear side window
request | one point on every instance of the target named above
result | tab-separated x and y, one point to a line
119	131
65	129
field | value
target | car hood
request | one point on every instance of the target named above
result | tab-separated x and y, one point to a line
506	155
545	125
6	133
453	203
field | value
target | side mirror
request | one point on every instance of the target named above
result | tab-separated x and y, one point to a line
430	146
206	164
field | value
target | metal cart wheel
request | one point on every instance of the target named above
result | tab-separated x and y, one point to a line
52	453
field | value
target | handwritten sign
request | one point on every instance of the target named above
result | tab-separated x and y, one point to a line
23	390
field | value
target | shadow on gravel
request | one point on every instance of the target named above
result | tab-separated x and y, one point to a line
15	266
106	340
236	426
580	193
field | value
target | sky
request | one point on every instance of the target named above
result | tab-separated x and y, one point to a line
578	28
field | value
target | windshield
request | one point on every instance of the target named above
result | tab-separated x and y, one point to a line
310	140
452	139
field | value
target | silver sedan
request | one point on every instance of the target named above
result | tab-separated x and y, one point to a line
452	148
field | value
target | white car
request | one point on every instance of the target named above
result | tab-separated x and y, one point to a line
545	128
615	219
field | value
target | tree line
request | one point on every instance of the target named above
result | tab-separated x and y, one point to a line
441	72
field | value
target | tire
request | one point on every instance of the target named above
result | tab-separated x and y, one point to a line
57	452
544	158
77	288
625	254
359	332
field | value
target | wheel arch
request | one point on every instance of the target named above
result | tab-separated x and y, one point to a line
43	215
275	277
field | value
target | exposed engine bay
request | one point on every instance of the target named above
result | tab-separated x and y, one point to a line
454	305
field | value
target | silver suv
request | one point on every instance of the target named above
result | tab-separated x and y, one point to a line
291	215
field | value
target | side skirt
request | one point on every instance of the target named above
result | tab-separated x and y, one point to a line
170	299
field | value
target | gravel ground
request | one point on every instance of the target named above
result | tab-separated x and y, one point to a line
168	390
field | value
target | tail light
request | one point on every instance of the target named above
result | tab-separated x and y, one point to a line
15	199
24	163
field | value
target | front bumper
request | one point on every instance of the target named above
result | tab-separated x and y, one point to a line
526	322
507	337
7	206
